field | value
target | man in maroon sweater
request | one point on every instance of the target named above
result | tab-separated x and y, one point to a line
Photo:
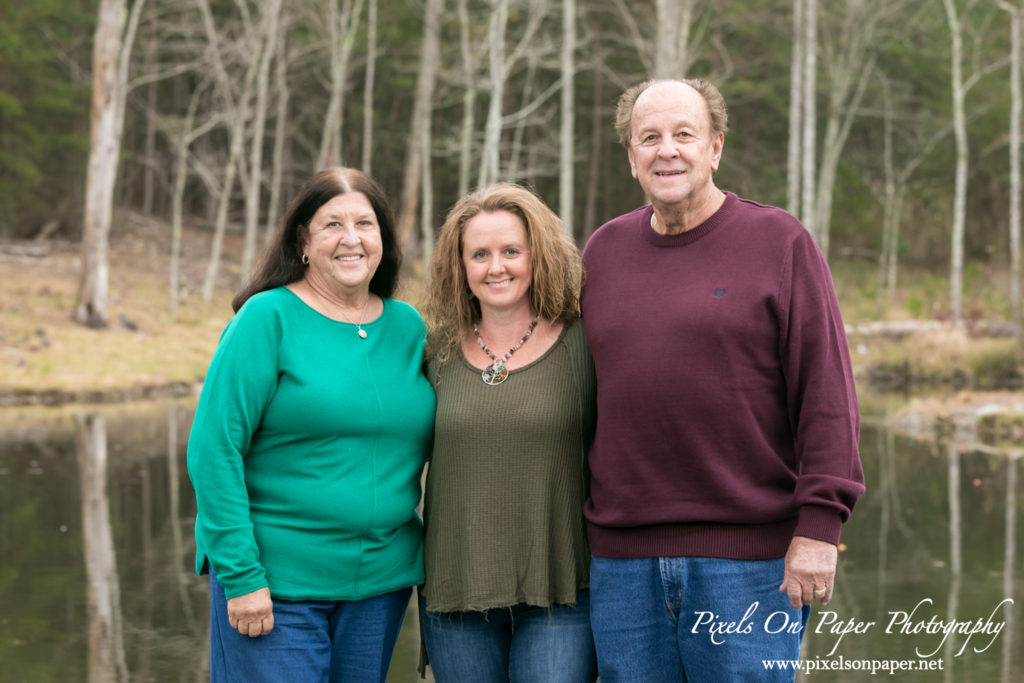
725	459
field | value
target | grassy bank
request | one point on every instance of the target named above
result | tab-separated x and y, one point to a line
904	343
46	357
146	350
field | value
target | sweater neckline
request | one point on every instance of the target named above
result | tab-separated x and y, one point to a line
318	314
691	235
543	356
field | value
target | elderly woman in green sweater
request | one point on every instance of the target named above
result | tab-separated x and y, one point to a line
307	448
506	592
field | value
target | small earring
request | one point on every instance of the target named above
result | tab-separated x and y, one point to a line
305	260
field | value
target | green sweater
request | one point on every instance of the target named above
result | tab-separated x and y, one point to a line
306	452
507	482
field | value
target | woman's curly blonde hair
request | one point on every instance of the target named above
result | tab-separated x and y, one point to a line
451	310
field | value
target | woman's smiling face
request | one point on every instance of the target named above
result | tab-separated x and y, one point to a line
344	245
496	256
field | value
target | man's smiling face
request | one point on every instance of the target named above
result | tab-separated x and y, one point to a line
672	151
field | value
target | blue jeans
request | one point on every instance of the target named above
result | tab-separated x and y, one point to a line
692	619
311	642
518	643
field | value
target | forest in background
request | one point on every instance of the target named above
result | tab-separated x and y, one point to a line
887	126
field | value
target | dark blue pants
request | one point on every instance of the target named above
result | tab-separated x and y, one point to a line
312	642
521	644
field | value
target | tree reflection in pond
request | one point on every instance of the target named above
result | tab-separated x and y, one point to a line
96	579
106	633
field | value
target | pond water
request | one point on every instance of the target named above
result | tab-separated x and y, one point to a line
96	551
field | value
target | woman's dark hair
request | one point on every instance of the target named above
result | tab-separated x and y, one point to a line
282	262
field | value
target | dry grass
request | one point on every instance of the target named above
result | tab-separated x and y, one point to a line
47	358
144	349
941	357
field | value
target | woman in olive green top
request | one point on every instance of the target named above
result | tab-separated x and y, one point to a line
506	555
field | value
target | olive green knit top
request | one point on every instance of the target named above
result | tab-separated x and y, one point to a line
507	481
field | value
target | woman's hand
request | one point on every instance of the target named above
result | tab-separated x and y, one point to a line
252	614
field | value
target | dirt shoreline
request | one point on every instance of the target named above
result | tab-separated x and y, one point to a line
15	398
150	353
147	351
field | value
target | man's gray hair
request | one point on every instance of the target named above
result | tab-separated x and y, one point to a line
712	97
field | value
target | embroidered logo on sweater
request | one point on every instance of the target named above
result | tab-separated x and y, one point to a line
719	292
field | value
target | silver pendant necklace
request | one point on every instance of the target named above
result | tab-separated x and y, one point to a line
497	372
359	325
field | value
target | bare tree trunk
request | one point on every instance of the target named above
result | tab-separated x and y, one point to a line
673	19
960	187
280	127
469	83
500	66
895	194
221	219
519	134
371	68
188	134
893	247
238	116
1016	109
850	69
885	256
796	92
149	165
672	25
492	131
421	117
111	56
666	41
566	179
342	28
807	186
597	106
1016	39
265	48
180	177
641	39
427	210
837	131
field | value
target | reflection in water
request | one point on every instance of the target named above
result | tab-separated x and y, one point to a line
1009	558
184	574
925	541
106	635
955	547
885	495
937	523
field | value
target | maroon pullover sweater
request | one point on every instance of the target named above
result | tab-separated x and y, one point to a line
727	416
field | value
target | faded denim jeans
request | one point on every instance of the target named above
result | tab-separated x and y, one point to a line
667	619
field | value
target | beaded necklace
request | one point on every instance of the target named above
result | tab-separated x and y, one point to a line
497	372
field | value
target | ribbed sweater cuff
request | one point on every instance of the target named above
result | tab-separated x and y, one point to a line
820	523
